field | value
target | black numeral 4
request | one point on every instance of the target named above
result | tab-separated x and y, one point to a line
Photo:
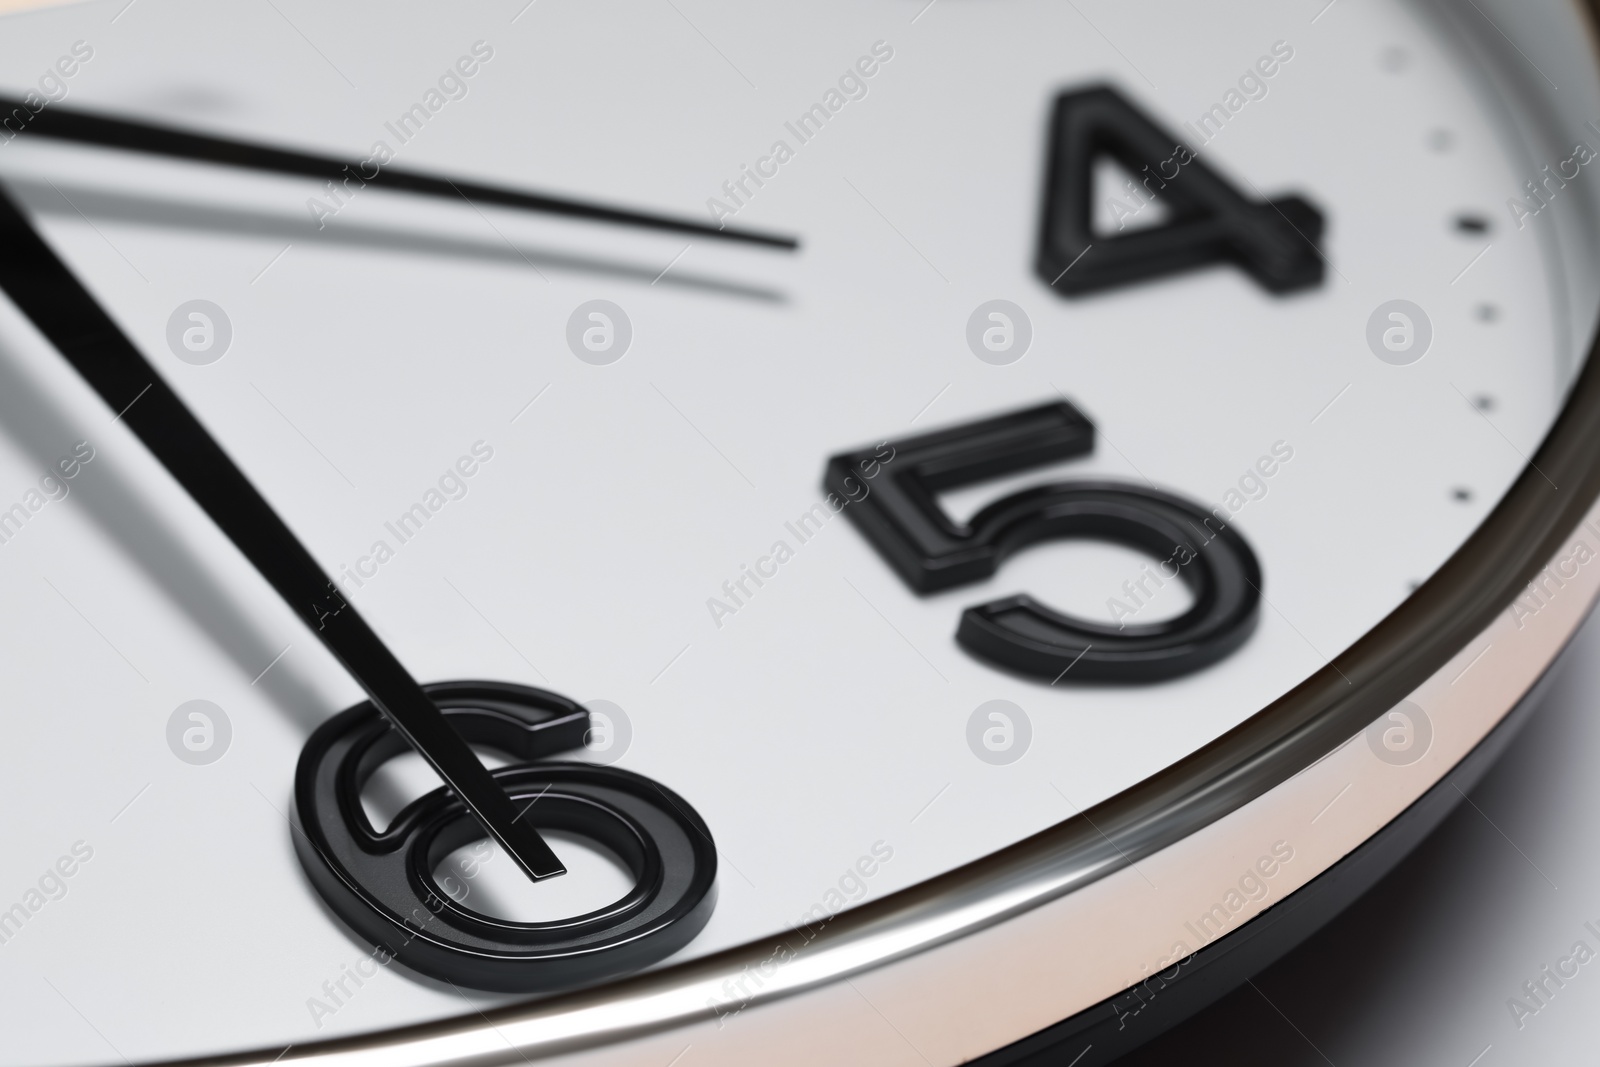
1211	221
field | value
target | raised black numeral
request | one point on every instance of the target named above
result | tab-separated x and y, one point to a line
1211	221
387	885
902	519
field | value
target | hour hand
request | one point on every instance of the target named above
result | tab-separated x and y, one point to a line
83	127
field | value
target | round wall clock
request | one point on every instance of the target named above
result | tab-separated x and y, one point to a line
907	532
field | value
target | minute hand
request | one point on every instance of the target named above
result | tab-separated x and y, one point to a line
63	310
86	127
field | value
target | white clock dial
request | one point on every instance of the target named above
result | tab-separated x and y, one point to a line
589	458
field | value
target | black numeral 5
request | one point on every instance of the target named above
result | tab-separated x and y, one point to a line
902	519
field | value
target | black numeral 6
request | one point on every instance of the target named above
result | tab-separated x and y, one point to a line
902	519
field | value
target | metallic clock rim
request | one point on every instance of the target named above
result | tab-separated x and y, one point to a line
1304	910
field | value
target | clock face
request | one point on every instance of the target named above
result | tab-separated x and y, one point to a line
1075	527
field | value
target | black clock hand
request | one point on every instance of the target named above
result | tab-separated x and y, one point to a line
63	310
88	128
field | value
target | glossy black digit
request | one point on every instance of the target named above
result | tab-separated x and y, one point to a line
1211	221
903	520
382	884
